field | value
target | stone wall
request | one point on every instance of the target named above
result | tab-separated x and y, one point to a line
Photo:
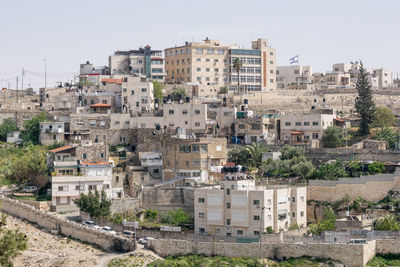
371	188
124	204
350	255
388	246
54	224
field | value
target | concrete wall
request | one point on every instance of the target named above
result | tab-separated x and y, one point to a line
349	255
124	204
57	225
168	199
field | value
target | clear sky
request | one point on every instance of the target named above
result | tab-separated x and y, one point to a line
70	32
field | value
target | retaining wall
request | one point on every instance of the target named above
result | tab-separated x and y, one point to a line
54	224
351	255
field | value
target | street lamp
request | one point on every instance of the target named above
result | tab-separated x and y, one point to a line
45	72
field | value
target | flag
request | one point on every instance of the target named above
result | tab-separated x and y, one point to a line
294	59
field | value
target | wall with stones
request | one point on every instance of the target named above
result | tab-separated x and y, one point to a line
54	224
168	199
349	255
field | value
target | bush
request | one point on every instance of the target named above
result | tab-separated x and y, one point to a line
389	223
326	224
294	226
333	137
176	217
376	167
269	230
97	205
151	214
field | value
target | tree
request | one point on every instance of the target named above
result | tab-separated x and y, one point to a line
12	243
354	167
326	224
364	102
376	167
330	171
383	117
289	152
332	137
157	91
255	151
97	205
8	125
151	214
31	130
30	166
223	90
303	169
179	92
389	135
389	223
269	230
237	65
239	155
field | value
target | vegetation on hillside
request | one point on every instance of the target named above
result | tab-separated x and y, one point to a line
385	260
326	224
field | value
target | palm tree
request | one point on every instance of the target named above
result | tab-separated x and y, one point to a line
237	64
255	151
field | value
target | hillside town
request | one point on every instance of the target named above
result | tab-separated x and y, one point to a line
205	153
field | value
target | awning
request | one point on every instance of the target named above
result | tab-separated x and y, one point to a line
296	133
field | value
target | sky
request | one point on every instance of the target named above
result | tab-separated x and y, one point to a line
69	32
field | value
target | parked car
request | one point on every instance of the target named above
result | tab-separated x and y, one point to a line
91	224
357	241
108	229
29	189
128	233
144	240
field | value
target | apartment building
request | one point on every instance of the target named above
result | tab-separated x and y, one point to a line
202	63
240	208
143	61
255	129
137	95
332	80
293	77
52	132
385	78
258	71
186	161
305	127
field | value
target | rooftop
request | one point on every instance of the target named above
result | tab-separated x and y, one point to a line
63	148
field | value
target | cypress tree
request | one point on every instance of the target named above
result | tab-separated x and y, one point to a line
364	103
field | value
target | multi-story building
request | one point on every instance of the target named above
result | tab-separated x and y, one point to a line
293	77
202	63
52	132
332	80
305	127
385	78
137	95
143	61
258	71
254	129
187	161
238	207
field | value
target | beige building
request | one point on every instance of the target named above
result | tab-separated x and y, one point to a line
137	95
211	63
293	77
242	209
306	127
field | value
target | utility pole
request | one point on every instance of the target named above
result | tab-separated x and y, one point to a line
22	79
17	89
45	73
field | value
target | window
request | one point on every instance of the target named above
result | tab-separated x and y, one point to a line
132	92
207	69
256	202
239	232
92	123
201	214
207	60
228	221
298	123
228	191
306	123
200	199
301	199
184	112
210	51
293	214
203	148
293	199
197	124
202	230
184	148
144	89
198	79
84	155
269	202
195	162
198	69
195	148
63	188
287	123
256	217
256	232
301	213
171	112
199	50
271	62
92	187
315	136
101	155
228	205
242	126
198	59
315	123
197	111
220	51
